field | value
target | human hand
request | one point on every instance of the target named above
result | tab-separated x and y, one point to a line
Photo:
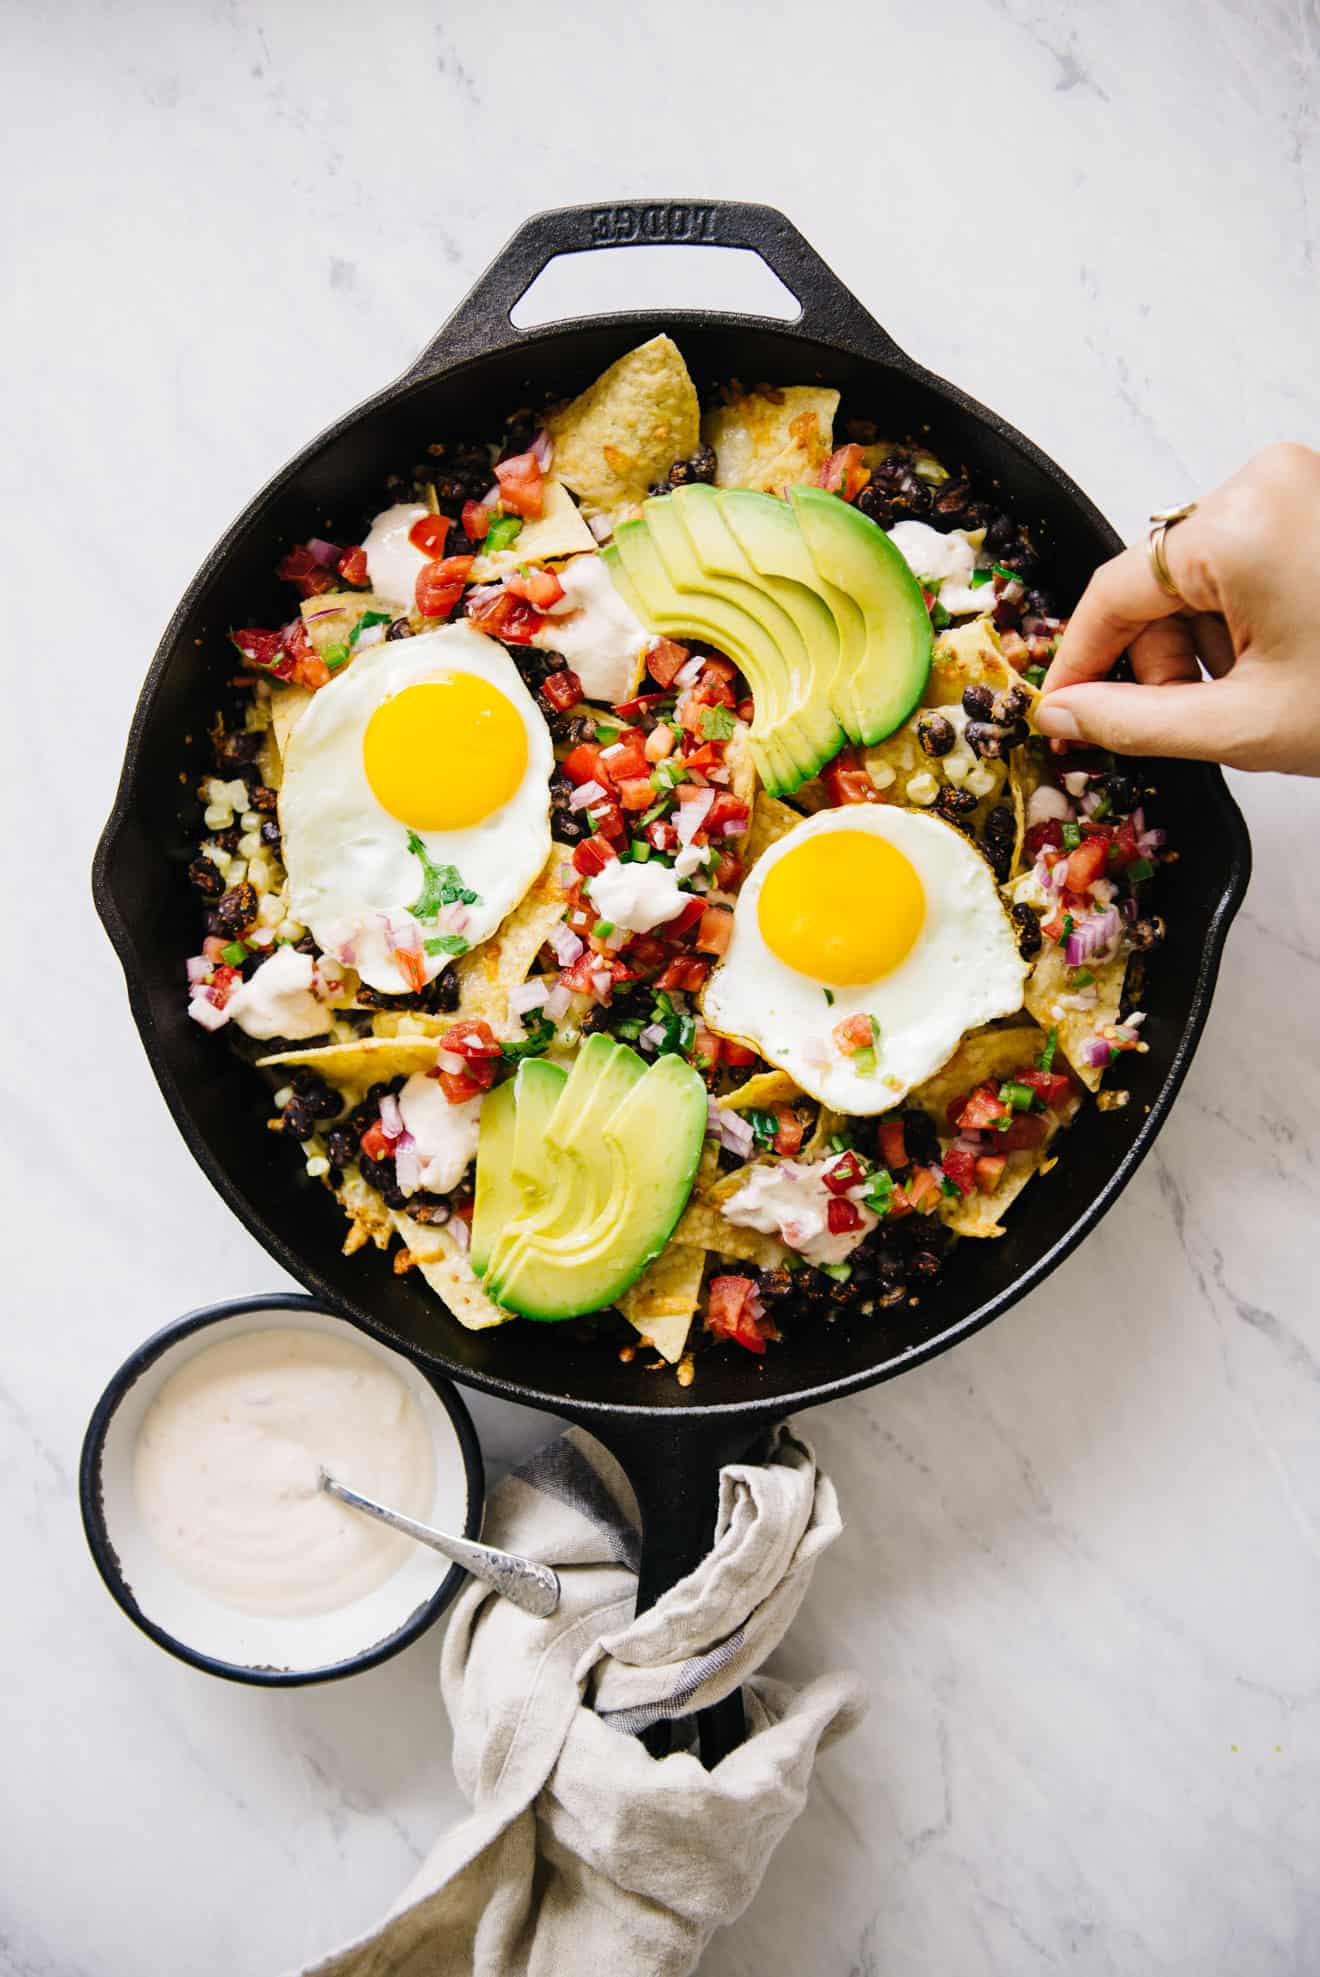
1247	563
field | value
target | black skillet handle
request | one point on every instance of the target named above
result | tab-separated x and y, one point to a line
831	313
673	1462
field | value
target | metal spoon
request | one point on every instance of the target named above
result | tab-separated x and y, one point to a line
533	1587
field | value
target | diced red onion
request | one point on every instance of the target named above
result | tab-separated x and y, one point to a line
391	1119
482	594
1046	803
327	554
1151	841
567	947
602	981
1092	935
1138	819
199	968
732	828
460	1231
1091	802
528	995
689	673
1095	1054
692	815
544	449
584	794
652	1036
729	1128
449	1060
1135	1020
203	1011
558	1002
407	1166
373	635
490	499
599	526
322	611
1075	781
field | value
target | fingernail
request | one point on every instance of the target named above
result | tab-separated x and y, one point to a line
1057	722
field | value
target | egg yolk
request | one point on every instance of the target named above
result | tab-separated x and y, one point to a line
843	907
445	753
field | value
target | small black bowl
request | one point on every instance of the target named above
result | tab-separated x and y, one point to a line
273	1652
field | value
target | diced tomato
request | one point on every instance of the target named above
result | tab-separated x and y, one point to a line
700	758
842	1216
1049	833
636	793
729	1314
627	756
844	1173
641	703
563	690
506	617
1124	850
606	815
300	567
583	765
411	966
789	1137
921	1192
1087	863
309	668
716	930
472	1038
989	1170
662	835
1027	1129
592	856
476	520
747	710
893	1145
428	534
665	661
845	473
707	1049
224	980
686	917
353	567
715	683
1050	1087
726	809
959	1163
647	954
459	1086
440	585
375	1144
738	1055
728	874
264	649
854	1033
982	1110
686	972
522	485
540	587
848	781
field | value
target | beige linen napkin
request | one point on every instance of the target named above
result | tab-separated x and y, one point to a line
583	1854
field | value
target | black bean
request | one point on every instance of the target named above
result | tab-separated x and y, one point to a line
776	1284
1010	705
299	1117
341	1146
991	742
977	702
234	752
399	628
1001	534
915	496
955	806
920	1138
925	1263
325	1101
438	997
237	909
895	1294
1147	932
936	733
270	834
1029	938
567	826
997	840
535	664
264	799
428	1208
1022	561
227	840
699	466
205	878
380	1174
1040	603
876	500
1123	793
306	944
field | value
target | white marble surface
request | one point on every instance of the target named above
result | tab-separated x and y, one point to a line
1083	1565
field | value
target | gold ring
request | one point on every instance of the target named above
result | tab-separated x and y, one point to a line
1160	523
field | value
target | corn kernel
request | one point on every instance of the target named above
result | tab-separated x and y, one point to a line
922	789
249	844
251	820
217	816
271	910
282	1097
237	871
318	1165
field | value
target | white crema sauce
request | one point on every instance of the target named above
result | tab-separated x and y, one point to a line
228	1459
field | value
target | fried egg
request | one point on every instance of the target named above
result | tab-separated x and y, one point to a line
415	805
875	918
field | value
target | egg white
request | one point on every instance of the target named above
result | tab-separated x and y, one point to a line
352	878
962	970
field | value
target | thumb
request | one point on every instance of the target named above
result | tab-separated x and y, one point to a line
1207	720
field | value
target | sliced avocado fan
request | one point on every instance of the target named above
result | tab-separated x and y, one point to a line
581	1177
808	598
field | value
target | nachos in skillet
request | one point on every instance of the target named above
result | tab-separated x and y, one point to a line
635	871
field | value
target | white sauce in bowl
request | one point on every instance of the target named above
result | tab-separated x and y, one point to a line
227	1462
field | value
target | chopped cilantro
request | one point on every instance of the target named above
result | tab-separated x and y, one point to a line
442	885
1065	932
950	1187
717	723
335	656
1072	837
879	1191
980	577
1034	675
1002	570
939	617
365	622
764	1125
446	944
502	531
1045	1061
235	954
829	996
534	1044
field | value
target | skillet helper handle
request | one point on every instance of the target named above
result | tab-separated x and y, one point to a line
830	311
674	1467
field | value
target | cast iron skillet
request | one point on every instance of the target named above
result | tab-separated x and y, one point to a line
672	1441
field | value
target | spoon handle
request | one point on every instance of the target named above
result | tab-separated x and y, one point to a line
533	1587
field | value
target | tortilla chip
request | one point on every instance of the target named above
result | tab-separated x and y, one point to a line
1048	981
368	1217
503	962
771	820
893	762
626	430
287	707
331	617
772	441
701	1224
986	1055
663	1301
445	1268
366	1061
742	768
766	1089
828	1123
558	531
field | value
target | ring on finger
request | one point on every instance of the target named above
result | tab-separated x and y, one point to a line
1160	523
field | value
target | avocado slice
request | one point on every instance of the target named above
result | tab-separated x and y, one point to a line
855	555
654	1138
721	624
497	1193
721	553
